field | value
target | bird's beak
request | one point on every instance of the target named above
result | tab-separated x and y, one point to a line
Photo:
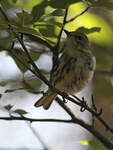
67	32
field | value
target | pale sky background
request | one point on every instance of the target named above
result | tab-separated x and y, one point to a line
56	136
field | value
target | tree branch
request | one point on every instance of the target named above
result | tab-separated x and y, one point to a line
65	96
39	40
37	135
56	48
35	120
75	119
90	128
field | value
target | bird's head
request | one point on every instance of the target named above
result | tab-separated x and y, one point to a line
77	40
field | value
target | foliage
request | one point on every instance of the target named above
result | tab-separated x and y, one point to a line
17	111
44	21
38	24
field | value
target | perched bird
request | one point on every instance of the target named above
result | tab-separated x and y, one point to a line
74	69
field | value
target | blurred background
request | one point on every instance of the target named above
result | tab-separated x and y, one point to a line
18	86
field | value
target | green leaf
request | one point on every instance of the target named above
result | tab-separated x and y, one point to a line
0	95
48	23
47	29
13	90
8	107
27	30
32	85
35	55
20	111
57	12
22	56
9	90
25	17
87	31
62	3
86	143
47	33
3	83
39	10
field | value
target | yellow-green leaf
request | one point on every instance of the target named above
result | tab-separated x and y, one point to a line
86	143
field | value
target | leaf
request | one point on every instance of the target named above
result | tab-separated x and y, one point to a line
9	90
26	30
3	83
57	12
47	29
35	55
13	90
32	85
86	143
25	17
49	23
61	3
0	95
22	56
20	111
8	107
38	10
87	31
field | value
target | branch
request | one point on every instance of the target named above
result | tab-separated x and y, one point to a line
37	72
90	128
86	107
56	48
35	120
37	135
39	40
64	22
65	96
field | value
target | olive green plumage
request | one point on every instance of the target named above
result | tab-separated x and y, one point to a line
74	69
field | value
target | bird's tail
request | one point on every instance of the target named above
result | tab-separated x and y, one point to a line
46	100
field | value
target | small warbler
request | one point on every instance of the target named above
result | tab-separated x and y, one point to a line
74	69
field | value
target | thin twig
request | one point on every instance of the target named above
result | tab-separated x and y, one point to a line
56	48
39	40
64	22
37	135
35	120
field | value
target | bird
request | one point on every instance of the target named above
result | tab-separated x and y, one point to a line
74	69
